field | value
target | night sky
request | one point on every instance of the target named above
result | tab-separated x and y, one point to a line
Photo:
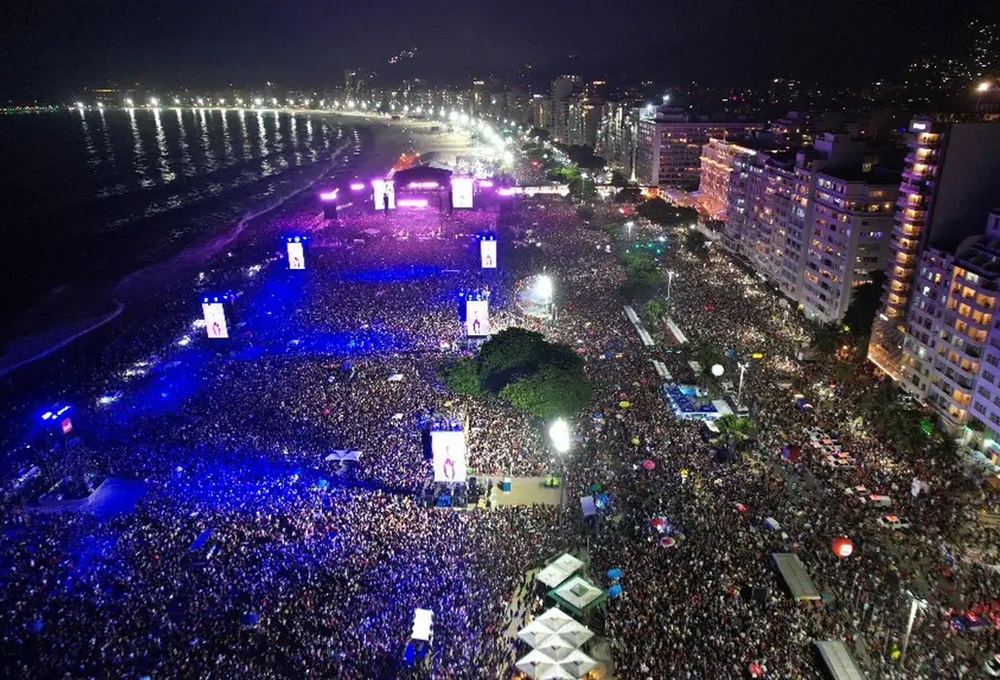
51	48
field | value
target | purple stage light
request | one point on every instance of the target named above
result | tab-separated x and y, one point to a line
486	183
329	195
422	185
357	186
412	203
505	191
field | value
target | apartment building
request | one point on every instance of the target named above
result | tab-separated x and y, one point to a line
669	146
851	221
812	222
951	179
951	351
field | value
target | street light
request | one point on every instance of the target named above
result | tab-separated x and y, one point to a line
670	279
629	225
915	604
559	434
739	392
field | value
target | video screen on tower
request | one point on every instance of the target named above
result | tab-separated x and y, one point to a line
215	319
449	453
296	255
461	192
384	194
488	253
477	317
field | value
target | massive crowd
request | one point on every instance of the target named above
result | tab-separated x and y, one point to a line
251	555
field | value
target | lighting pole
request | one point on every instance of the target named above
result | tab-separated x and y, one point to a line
559	435
629	225
981	89
670	279
915	604
739	392
546	291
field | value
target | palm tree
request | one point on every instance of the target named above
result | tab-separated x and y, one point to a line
734	430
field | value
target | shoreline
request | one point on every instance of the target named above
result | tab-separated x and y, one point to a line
29	348
385	141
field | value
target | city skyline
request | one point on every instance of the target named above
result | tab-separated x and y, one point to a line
448	43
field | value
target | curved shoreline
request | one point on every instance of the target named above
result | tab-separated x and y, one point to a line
120	294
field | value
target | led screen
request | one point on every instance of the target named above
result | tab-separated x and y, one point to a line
461	192
384	194
449	452
488	254
477	317
296	256
215	320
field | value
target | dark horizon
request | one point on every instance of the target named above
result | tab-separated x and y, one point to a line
309	45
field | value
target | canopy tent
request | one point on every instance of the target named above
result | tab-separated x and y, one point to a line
559	570
535	633
577	664
578	595
576	633
796	577
838	660
535	664
557	673
554	619
588	506
555	647
344	455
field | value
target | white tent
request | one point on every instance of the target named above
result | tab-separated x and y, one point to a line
559	570
534	633
578	592
577	664
575	633
535	664
557	673
554	619
555	647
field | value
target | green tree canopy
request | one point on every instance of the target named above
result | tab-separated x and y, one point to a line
553	391
522	368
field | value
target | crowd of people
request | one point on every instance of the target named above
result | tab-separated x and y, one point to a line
252	555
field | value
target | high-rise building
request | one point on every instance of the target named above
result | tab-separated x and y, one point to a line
951	179
616	137
951	352
584	115
668	151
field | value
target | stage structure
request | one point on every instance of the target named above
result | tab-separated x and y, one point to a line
296	248
449	452
329	200
384	194
488	251
462	191
475	313
217	311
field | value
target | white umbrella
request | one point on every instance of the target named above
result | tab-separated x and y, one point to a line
534	633
554	619
575	633
555	647
535	664
577	664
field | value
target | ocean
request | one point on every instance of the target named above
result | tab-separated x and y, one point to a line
91	196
